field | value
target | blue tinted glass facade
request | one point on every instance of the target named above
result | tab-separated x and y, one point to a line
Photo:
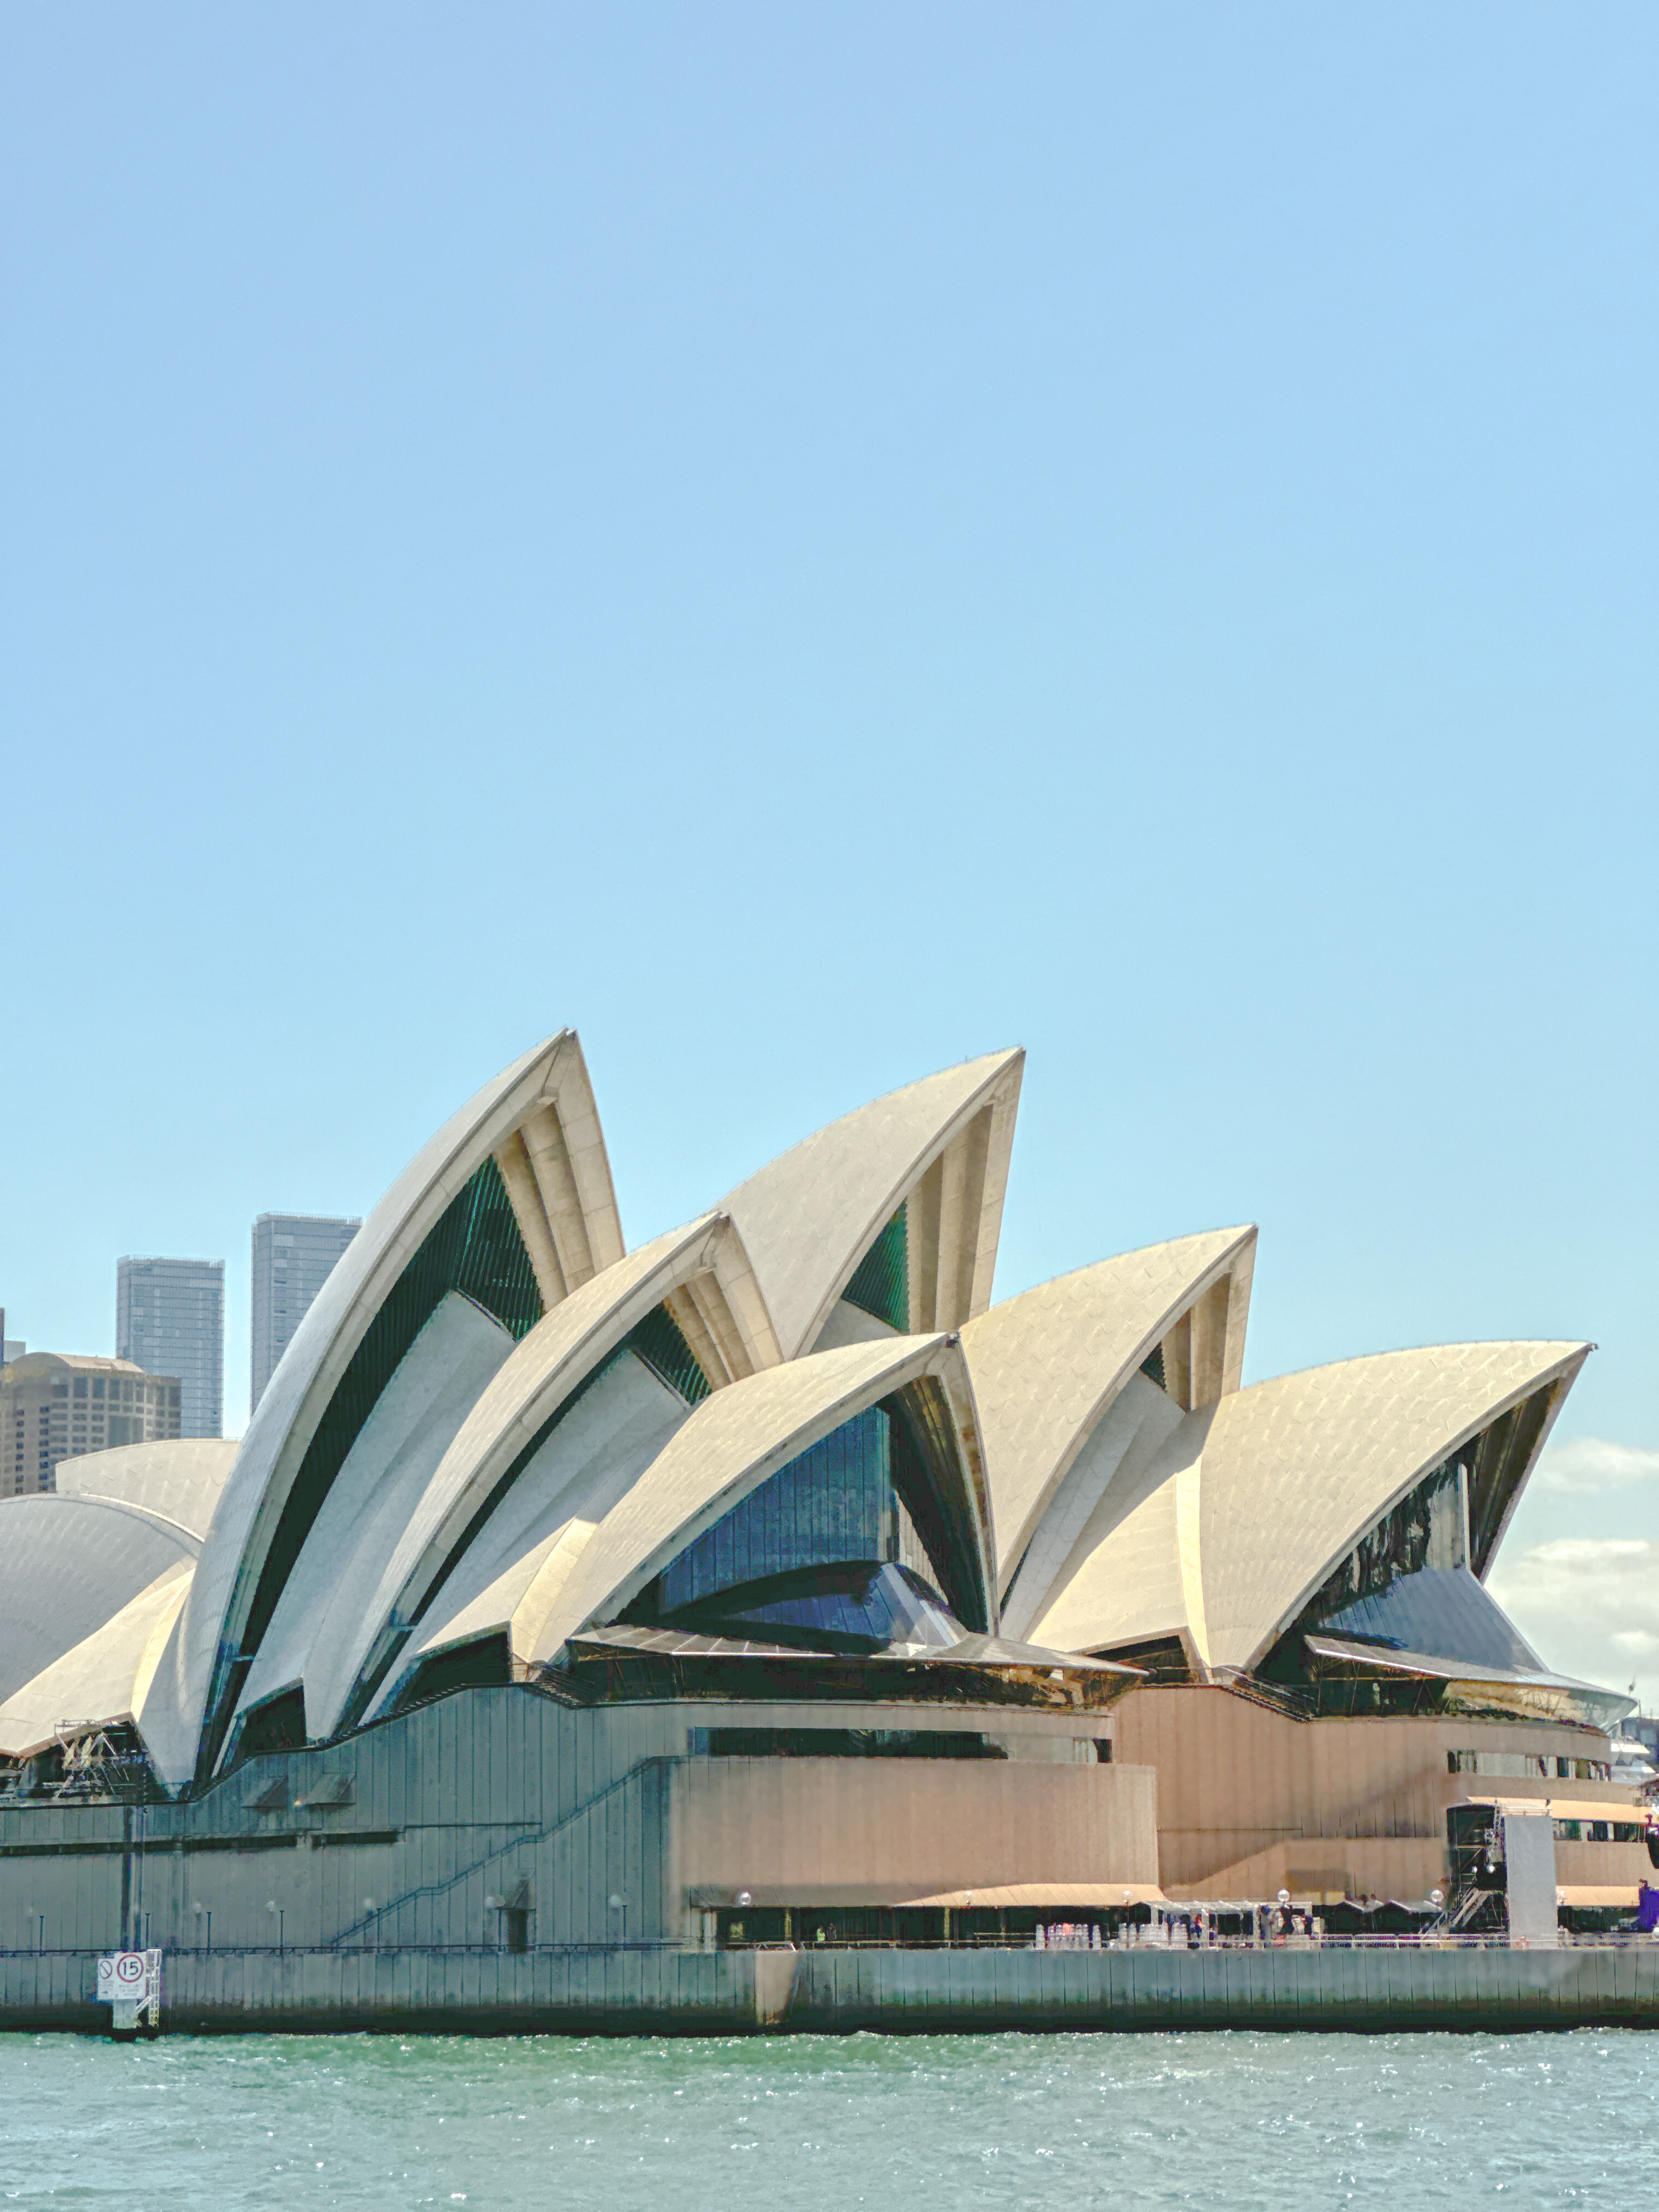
833	1504
1442	1611
846	1605
1428	1528
1408	1585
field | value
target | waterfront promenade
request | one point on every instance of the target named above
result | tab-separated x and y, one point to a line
670	1992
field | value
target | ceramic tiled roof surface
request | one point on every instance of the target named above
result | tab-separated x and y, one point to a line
1047	1363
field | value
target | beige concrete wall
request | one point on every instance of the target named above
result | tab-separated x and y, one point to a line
1598	1866
1331	1869
1247	1796
878	1829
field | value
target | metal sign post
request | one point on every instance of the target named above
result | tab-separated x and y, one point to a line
130	1982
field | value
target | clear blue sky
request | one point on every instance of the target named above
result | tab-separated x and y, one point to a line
815	542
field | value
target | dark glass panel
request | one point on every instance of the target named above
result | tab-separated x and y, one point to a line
929	1484
1444	1612
833	1504
279	1724
660	1344
1425	1529
1496	1459
839	1609
1160	1658
482	1664
603	1674
843	1743
881	1282
1408	1585
885	1487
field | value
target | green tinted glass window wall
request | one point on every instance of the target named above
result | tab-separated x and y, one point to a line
881	1281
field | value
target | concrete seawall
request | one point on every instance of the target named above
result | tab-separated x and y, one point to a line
651	1992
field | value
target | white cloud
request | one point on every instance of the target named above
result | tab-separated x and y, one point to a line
1590	1604
1591	1463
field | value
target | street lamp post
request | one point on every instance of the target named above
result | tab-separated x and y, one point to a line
617	1905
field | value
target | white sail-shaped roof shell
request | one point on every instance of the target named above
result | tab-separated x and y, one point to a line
538	1119
316	1634
808	1218
1253	1501
733	1442
630	1477
92	1578
68	1565
102	1681
464	1406
510	1579
1048	1365
174	1480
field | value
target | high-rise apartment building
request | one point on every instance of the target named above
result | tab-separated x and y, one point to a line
293	1255
54	1407
170	1320
11	1347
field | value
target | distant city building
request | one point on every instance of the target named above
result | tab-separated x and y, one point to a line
56	1406
293	1255
170	1320
11	1347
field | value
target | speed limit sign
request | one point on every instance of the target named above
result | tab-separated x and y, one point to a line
131	1982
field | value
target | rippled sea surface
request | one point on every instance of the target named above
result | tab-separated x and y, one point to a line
1230	2121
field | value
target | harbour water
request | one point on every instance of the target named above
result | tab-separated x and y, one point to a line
1021	2122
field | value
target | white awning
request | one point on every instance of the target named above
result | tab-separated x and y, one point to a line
1098	1896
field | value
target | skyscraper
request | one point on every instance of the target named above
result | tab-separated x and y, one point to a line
170	1320
293	1254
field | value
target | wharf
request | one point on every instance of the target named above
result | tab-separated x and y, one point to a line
653	1992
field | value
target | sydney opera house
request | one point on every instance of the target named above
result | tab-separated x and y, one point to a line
769	1582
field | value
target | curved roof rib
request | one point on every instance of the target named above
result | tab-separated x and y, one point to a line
1250	1503
175	1480
386	1571
939	1147
68	1565
537	1121
104	1680
1048	1365
733	1442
